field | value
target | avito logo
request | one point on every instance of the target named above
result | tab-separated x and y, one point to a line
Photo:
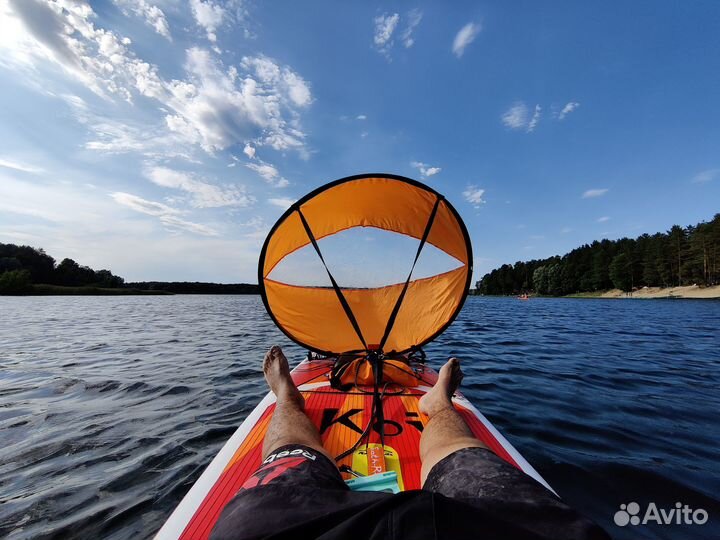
681	514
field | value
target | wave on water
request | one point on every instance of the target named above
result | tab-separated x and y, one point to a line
111	407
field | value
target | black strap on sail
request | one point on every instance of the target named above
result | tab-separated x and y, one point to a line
398	303
338	291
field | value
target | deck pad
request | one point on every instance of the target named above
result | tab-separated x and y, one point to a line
341	418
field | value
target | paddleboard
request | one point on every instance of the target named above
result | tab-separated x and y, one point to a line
341	418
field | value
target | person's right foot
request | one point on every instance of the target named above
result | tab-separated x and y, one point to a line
277	375
440	396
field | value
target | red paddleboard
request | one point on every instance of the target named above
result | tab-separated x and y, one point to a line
342	418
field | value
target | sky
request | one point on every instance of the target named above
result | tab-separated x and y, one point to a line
161	139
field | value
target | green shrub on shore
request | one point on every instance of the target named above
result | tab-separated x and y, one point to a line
15	282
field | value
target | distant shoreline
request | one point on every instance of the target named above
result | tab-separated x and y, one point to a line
61	290
149	289
648	293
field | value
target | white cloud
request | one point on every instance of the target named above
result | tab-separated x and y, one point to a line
18	166
414	17
258	228
384	27
208	15
565	230
592	193
603	219
567	109
249	151
143	206
203	195
213	107
174	222
706	176
168	216
218	108
425	169
282	202
62	31
465	37
361	117
516	117
152	14
268	173
534	120
474	195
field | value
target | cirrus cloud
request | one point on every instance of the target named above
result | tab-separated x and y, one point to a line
465	36
425	170
567	109
474	195
706	176
152	14
281	202
593	193
203	194
167	215
518	117
385	25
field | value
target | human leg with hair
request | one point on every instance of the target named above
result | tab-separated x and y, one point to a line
446	432
289	424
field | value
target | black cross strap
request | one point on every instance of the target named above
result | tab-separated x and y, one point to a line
398	303
338	291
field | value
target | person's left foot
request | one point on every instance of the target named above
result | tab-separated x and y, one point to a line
277	375
439	397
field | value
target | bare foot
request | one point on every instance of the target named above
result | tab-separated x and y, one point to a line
277	375
440	396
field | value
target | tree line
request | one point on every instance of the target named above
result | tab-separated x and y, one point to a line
23	266
681	256
195	287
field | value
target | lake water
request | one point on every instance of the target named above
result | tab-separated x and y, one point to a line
111	407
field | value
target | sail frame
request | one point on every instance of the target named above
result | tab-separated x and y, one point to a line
447	232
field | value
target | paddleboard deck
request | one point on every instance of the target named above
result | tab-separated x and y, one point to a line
341	418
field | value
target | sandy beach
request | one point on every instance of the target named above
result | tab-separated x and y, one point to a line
689	291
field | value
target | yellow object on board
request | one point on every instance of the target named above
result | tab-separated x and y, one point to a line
392	461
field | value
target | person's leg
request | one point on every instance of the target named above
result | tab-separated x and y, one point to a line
289	424
446	431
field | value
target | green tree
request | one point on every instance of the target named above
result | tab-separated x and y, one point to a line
540	280
677	252
621	273
600	267
15	282
555	279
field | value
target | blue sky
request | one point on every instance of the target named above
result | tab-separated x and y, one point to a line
162	138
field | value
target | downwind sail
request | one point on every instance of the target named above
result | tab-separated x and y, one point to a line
392	319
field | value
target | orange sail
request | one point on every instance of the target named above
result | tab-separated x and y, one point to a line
394	318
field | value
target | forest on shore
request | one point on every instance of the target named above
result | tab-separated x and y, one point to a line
21	267
681	256
29	270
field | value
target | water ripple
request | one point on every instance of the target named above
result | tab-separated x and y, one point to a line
111	407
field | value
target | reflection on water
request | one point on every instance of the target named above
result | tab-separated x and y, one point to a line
110	407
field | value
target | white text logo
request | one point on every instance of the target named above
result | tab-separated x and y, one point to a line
681	514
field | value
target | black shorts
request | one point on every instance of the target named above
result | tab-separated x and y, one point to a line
298	492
